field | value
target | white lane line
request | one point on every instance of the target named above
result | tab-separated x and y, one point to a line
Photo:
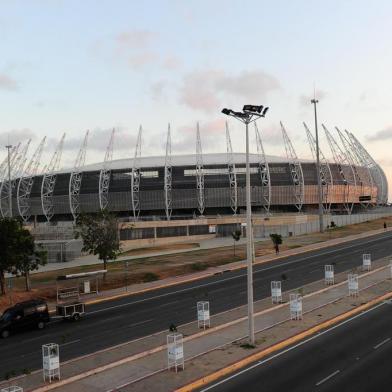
380	344
71	342
140	323
280	353
278	265
328	377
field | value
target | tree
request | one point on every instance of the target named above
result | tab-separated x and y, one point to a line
99	233
236	234
31	260
17	250
276	240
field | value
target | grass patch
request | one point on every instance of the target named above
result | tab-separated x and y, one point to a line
294	246
199	266
150	277
247	346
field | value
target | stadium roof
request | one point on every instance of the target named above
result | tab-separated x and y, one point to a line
183	160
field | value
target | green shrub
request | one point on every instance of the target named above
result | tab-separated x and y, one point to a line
198	266
150	277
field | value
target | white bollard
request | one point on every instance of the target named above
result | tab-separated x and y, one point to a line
295	306
175	351
12	388
51	361
353	287
203	314
366	262
276	291
329	277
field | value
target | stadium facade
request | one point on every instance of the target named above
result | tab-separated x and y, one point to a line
171	186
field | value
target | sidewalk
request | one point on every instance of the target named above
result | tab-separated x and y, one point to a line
129	363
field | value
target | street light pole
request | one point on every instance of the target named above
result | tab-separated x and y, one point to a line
250	114
9	181
320	202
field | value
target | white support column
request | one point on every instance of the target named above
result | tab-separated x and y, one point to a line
346	172
136	176
199	173
264	173
366	262
325	172
203	314
49	181
276	291
175	352
232	172
51	361
26	182
168	177
329	275
75	179
353	287
295	171
295	306
104	175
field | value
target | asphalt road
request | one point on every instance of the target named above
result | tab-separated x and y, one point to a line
121	320
352	356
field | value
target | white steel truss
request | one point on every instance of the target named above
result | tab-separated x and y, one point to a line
363	162
199	173
26	183
325	171
264	173
49	181
15	156
296	172
135	178
75	179
377	173
104	175
232	172
167	186
346	171
361	168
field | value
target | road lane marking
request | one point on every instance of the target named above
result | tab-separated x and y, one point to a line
380	344
233	277
71	342
328	377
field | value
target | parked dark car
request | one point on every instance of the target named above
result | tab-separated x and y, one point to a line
24	315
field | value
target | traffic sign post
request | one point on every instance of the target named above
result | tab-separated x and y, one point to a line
329	277
175	352
366	262
353	287
203	314
51	361
295	306
276	291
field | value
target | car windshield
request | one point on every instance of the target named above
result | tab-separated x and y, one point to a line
6	316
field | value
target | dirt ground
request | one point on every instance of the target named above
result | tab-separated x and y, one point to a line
147	269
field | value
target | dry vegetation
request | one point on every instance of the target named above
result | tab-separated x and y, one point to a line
146	269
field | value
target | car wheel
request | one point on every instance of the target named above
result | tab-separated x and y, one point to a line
76	317
41	325
5	333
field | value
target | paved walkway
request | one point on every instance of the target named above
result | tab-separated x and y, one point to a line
125	365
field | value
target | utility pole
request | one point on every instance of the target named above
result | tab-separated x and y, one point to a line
9	181
314	101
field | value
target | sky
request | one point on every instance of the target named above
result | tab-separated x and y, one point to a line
68	66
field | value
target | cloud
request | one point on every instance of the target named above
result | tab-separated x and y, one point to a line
171	62
15	136
384	134
304	99
135	39
206	90
7	83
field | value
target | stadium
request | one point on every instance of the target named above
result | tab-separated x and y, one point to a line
173	187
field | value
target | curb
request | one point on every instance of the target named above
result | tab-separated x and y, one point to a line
278	346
